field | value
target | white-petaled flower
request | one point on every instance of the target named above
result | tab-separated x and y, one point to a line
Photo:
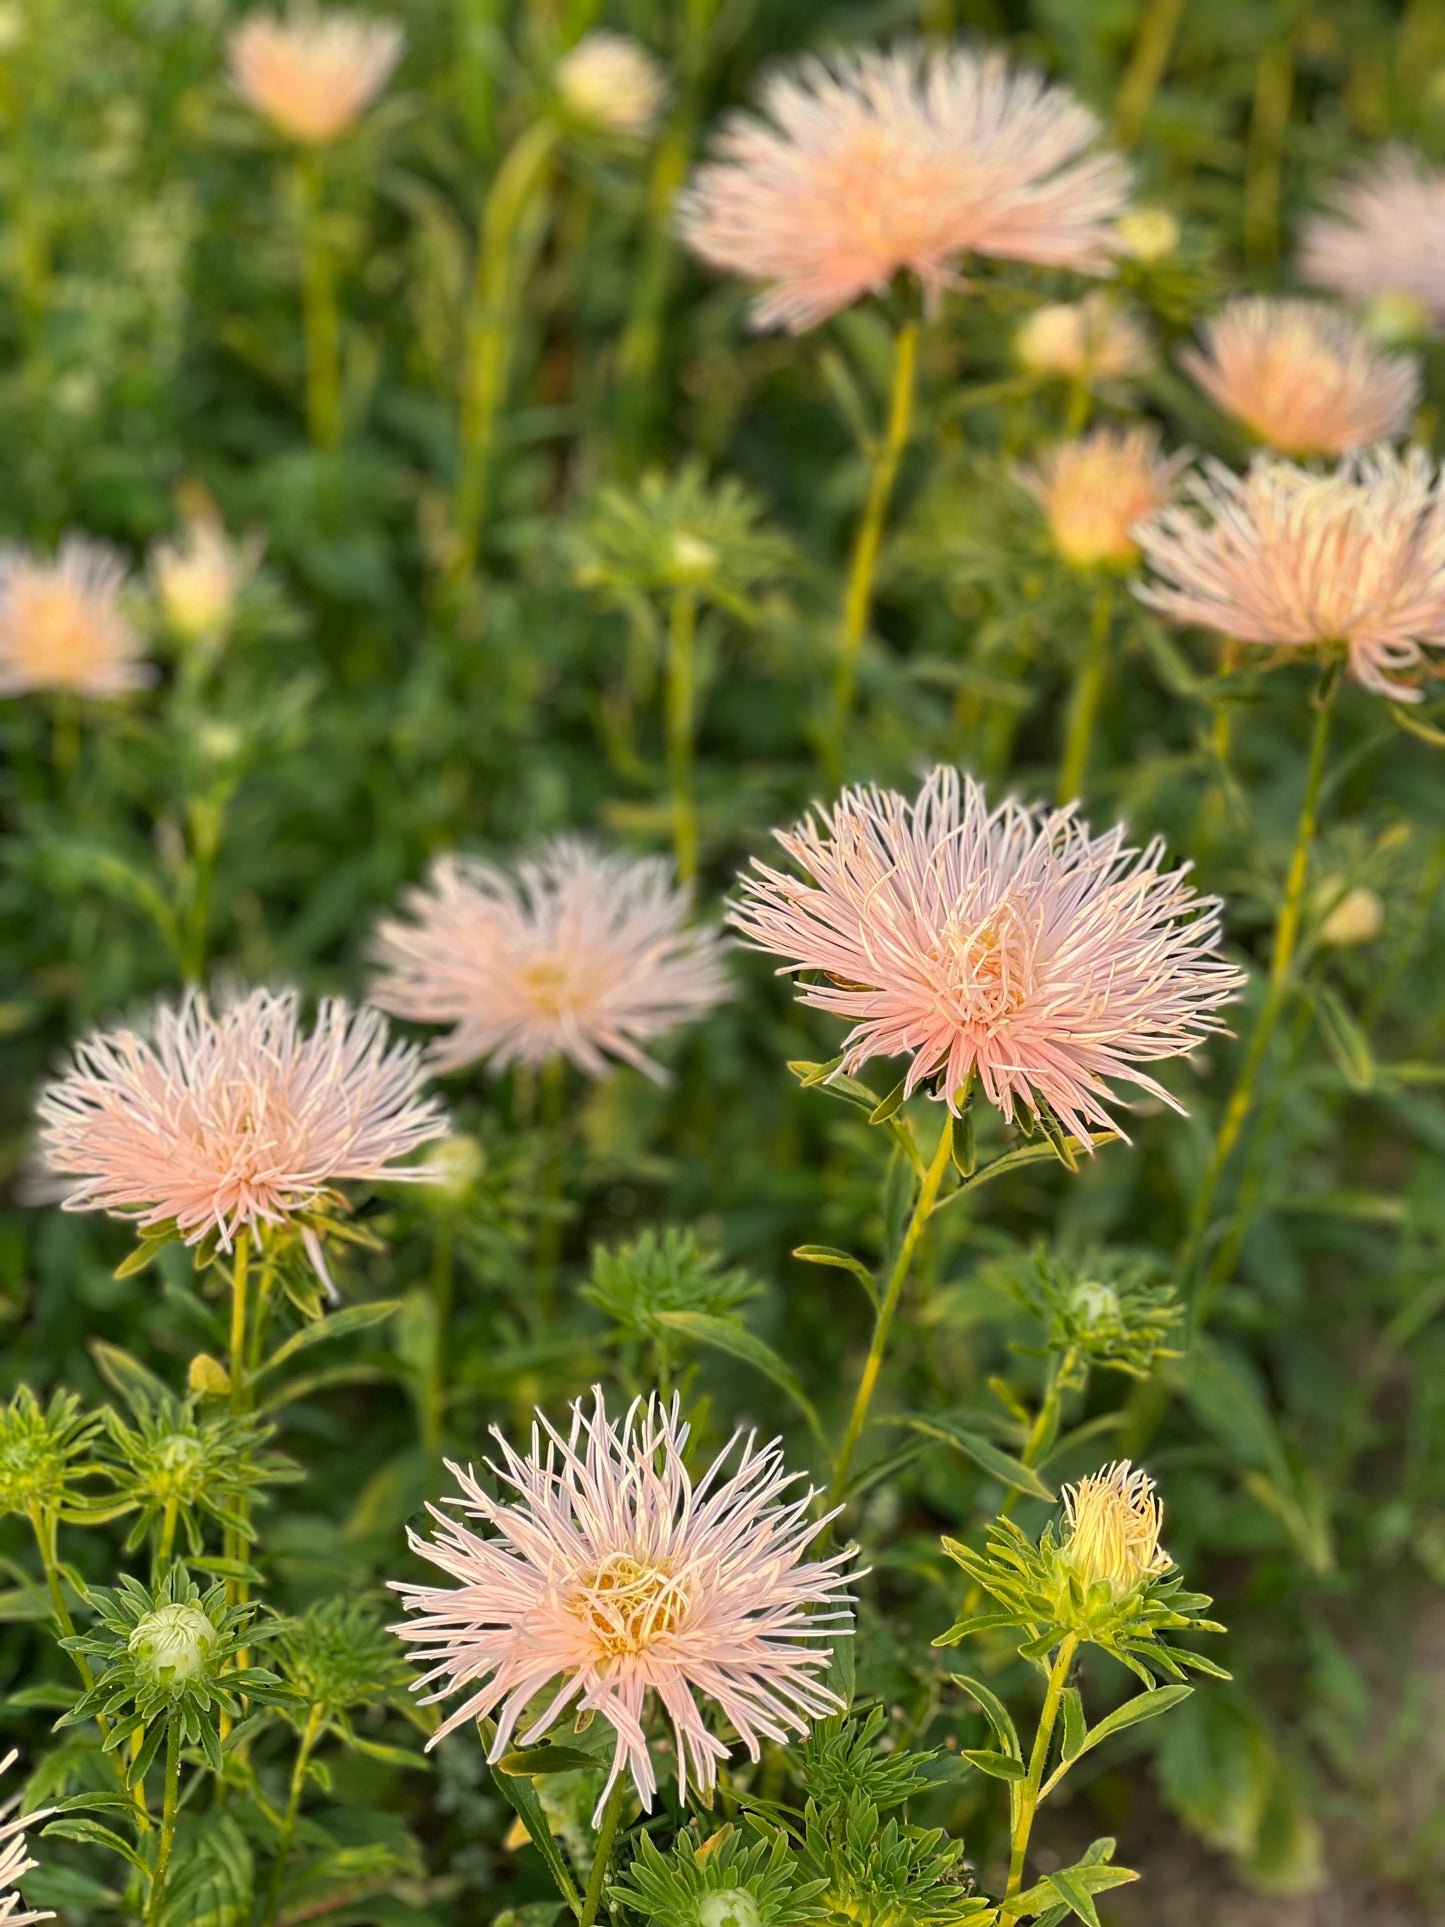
1093	491
613	1573
865	164
1006	943
1287	557
1302	378
63	625
313	72
1385	238
1094	341
15	1861
582	954
609	81
228	1119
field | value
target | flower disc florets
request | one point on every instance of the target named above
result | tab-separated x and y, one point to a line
617	1574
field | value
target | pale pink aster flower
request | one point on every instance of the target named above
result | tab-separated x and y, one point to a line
229	1119
616	1573
63	625
583	955
1385	239
1302	378
1298	560
15	1861
869	163
1094	341
1094	490
610	82
1006	943
313	72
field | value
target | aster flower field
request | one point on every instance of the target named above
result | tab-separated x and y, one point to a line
722	1145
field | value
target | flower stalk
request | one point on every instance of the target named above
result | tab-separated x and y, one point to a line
168	1819
321	319
1087	692
681	707
1026	1794
592	1899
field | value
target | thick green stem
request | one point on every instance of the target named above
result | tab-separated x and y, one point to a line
168	1535
168	1819
1146	68
611	1814
289	1817
681	637
1027	1804
239	1274
873	1365
321	318
858	600
1084	701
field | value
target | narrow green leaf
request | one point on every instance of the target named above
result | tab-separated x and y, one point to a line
997	1714
521	1796
126	1374
1075	1727
551	1758
94	1834
1144	1706
889	1106
839	1261
984	1453
1344	1039
144	1255
1036	1153
999	1766
727	1335
336	1324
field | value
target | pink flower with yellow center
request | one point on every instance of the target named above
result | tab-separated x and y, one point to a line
865	164
1094	490
1385	240
613	1574
1007	944
63	625
1297	560
313	72
1301	378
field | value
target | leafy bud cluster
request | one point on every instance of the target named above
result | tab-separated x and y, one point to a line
44	1452
725	1882
186	1460
640	1285
1105	1308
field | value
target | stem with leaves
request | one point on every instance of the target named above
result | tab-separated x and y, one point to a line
611	1814
1027	1793
309	1735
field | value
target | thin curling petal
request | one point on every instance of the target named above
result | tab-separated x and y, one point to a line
1385	238
63	625
1298	560
1301	378
222	1120
583	954
1007	943
15	1861
611	1579
312	72
864	164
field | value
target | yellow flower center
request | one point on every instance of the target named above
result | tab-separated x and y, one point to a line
627	1604
985	966
549	986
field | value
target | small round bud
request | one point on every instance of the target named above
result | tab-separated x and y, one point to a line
1357	918
198	577
612	85
208	1375
454	1165
1148	234
693	559
734	1908
172	1644
1095	1304
1089	340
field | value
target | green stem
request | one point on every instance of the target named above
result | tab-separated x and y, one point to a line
611	1814
443	1276
1028	1797
1146	68
478	31
1084	701
239	1274
168	1819
321	319
1273	92
873	1365
681	637
552	1083
288	1818
858	599
168	1536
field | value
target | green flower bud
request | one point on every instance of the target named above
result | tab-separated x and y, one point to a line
735	1907
173	1645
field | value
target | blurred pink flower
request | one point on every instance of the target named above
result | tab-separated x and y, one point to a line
615	1572
1386	238
1302	378
63	624
226	1120
313	72
1285	556
867	163
584	955
1093	491
1007	942
15	1861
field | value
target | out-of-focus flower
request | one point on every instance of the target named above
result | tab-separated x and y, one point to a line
63	625
1112	1526
859	167
1092	492
1094	341
1302	378
15	1861
615	1572
610	82
682	533
1007	943
225	1120
198	576
1147	234
1358	917
1386	237
313	72
1297	560
582	954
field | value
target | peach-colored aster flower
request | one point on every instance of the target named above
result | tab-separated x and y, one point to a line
198	576
63	624
865	164
15	1861
1094	341
1092	492
1386	237
615	1573
610	82
1009	943
582	954
313	72
1295	559
226	1119
1302	378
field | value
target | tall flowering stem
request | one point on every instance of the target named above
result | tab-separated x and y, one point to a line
168	1819
1147	66
863	567
1026	1796
606	1833
681	709
321	317
240	1272
1084	700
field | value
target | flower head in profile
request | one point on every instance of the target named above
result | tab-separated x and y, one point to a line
611	83
63	624
1385	239
313	72
198	575
1112	1523
222	1120
1094	341
15	1861
864	165
612	1572
1298	560
1301	378
1008	944
1093	490
582	954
